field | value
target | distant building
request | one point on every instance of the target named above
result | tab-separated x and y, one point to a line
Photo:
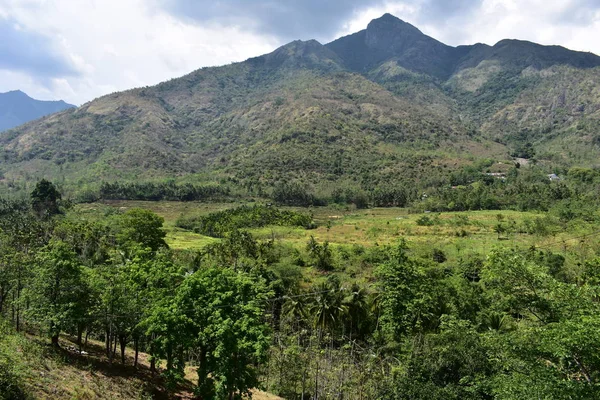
553	177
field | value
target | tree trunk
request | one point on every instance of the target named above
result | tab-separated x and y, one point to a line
153	365
87	333
123	343
303	382
114	347
107	342
55	340
79	337
2	296
18	324
136	343
152	355
202	371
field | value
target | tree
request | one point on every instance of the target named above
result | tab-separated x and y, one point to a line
57	288
328	307
219	312
45	198
357	307
451	364
320	255
143	227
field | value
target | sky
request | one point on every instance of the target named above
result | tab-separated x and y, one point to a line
77	50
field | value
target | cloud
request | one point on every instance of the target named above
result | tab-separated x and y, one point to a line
77	50
284	19
436	10
32	52
121	44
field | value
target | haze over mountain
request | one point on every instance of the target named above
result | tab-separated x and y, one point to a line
17	108
385	104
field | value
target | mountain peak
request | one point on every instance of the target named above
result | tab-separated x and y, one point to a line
389	22
388	17
390	34
300	54
18	93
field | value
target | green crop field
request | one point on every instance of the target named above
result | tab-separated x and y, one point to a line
456	234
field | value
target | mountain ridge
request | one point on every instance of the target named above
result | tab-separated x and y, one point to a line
322	114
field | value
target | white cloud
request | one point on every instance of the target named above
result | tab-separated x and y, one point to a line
405	11
119	44
541	21
489	21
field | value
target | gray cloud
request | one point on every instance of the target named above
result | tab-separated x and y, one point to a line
285	19
441	10
579	12
30	52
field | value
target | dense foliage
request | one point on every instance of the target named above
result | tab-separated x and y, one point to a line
220	223
159	191
517	324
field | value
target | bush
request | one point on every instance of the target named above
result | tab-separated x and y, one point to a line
10	382
10	385
425	221
439	256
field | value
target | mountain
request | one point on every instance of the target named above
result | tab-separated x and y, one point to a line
385	105
16	108
389	39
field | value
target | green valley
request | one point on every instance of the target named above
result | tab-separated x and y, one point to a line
380	217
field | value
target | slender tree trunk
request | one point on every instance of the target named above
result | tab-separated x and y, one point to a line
12	307
114	347
79	336
18	324
2	296
303	382
152	357
123	343
54	340
281	360
107	341
87	333
136	344
316	396
202	370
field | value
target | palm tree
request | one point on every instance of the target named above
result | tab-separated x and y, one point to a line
294	312
357	305
328	308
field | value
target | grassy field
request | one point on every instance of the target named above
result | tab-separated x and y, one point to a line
457	234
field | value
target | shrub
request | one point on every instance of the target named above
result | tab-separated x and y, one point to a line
425	221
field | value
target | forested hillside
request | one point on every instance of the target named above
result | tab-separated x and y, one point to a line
385	104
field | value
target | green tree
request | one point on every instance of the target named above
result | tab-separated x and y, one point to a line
223	320
328	308
45	198
320	255
143	227
57	289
